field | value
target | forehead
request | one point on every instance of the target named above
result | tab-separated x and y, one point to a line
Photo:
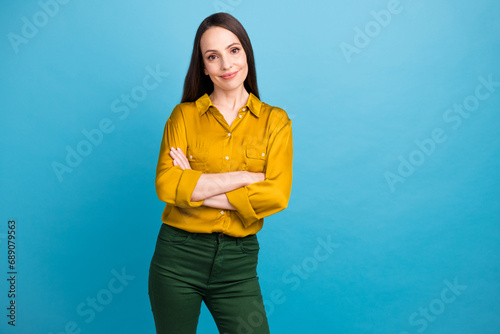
217	38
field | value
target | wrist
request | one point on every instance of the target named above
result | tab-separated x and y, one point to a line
244	178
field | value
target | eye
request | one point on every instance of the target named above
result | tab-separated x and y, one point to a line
211	57
235	50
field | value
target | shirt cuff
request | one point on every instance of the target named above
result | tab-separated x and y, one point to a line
187	183
239	199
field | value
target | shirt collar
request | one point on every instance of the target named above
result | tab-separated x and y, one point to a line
253	103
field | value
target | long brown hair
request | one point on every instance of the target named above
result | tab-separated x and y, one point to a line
197	83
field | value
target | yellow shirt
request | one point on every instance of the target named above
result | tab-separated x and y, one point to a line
258	140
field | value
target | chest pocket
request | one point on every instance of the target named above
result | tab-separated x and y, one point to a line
255	158
197	157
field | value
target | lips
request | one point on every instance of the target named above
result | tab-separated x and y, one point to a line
229	75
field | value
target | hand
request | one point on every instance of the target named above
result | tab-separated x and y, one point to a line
251	177
179	158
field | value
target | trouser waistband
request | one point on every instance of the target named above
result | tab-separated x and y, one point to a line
214	235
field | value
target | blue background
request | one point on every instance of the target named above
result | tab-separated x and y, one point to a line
406	221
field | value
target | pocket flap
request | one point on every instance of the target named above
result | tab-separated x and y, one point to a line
197	154
256	152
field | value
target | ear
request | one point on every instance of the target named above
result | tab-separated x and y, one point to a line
205	70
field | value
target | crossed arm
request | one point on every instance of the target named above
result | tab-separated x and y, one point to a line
212	188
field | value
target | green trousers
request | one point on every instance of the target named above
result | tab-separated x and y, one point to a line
188	268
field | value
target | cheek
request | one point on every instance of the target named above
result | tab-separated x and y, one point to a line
242	61
242	64
210	69
245	70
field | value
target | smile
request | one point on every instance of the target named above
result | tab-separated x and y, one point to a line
229	75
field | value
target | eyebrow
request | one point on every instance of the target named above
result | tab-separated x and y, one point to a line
226	47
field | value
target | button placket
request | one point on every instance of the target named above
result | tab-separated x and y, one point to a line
227	144
227	149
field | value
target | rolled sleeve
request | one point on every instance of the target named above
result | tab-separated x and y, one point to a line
188	180
264	198
239	199
174	185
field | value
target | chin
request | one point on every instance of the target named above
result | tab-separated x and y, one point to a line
231	86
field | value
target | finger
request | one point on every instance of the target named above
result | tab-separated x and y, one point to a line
178	157
173	153
177	152
181	158
175	162
180	151
184	162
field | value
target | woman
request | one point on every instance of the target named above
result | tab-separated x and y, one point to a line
225	163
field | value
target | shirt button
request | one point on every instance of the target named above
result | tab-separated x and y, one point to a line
229	134
263	154
244	109
239	116
227	158
191	156
221	212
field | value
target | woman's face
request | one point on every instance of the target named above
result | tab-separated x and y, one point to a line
224	58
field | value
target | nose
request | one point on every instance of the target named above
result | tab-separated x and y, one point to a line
226	63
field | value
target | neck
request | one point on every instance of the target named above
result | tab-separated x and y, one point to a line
233	99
